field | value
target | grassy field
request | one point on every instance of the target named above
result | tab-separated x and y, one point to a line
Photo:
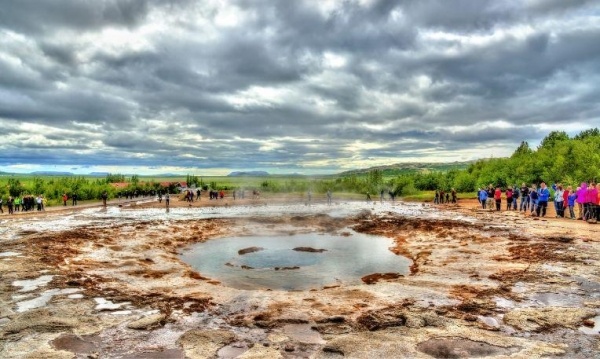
287	186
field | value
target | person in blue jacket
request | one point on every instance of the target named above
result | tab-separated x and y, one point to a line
572	200
533	198
543	196
483	196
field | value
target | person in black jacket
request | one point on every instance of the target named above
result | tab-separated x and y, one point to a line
10	203
490	197
524	198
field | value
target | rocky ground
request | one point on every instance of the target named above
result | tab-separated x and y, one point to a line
109	283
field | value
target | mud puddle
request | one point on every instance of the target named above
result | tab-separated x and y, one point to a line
76	344
295	262
462	348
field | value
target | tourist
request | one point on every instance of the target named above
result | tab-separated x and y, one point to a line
74	199
597	202
572	200
64	199
483	196
447	197
566	194
453	195
498	198
524	198
10	204
436	198
581	195
490	197
167	199
558	200
17	205
509	198
516	195
221	194
533	198
104	198
543	197
591	201
198	194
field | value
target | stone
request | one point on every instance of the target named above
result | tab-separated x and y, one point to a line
249	250
539	319
40	320
199	343
261	352
148	322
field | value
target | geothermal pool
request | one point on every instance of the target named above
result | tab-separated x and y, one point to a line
275	264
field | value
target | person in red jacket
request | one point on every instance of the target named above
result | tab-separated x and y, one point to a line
509	198
498	198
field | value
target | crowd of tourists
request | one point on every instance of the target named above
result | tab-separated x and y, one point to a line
441	196
24	203
582	203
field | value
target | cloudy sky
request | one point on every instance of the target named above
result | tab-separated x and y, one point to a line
205	87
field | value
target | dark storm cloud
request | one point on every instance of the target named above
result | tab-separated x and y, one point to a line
32	17
301	84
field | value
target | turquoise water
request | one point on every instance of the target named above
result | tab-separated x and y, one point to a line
345	260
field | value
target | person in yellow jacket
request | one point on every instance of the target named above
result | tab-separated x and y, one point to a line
18	201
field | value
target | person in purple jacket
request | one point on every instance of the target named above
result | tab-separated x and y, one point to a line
581	195
597	203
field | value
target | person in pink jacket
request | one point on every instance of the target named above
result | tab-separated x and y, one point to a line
598	202
591	201
581	196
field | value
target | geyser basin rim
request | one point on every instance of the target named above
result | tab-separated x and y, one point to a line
345	260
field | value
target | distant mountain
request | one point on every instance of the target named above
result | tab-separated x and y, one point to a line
410	167
248	174
51	173
98	174
168	175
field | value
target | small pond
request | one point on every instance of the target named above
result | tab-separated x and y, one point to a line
276	265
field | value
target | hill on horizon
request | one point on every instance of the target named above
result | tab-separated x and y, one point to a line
410	167
248	174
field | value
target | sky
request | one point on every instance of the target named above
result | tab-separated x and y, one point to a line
208	87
